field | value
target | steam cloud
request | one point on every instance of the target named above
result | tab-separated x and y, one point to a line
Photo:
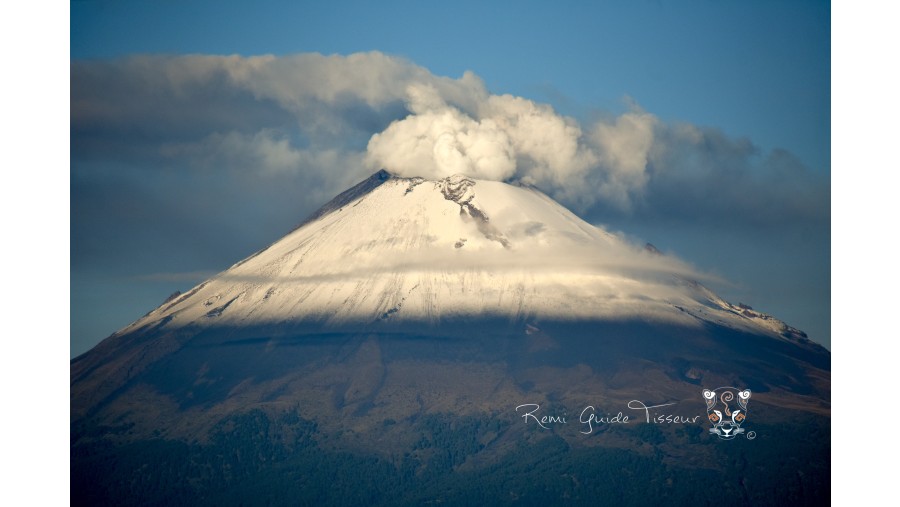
505	137
328	121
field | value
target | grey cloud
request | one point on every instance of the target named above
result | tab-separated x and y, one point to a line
243	147
700	174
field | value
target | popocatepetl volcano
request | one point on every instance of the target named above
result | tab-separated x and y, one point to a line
410	252
401	325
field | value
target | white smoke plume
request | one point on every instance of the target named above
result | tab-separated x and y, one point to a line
314	118
505	137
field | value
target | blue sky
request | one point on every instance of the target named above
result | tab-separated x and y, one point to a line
753	77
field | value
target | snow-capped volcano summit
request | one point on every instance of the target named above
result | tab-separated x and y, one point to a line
400	330
405	250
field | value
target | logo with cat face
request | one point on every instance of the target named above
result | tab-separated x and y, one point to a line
726	408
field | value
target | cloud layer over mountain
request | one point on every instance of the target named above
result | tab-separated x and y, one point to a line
328	120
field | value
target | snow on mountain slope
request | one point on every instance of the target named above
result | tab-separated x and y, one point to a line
406	250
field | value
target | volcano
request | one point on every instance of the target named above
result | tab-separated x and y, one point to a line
456	341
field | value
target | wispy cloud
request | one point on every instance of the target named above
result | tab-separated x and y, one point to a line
176	277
